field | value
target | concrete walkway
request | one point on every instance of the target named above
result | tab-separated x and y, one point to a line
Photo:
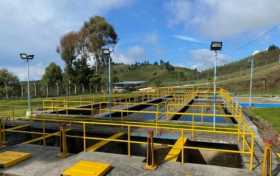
44	162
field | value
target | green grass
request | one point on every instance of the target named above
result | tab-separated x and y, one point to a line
152	73
19	106
271	115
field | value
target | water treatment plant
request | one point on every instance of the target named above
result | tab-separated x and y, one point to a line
170	130
140	88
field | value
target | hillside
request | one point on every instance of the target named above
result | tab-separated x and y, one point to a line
236	76
153	73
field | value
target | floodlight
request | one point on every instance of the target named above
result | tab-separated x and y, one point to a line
23	55
216	46
106	51
30	57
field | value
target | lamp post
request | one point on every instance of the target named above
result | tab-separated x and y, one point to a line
215	46
251	76
107	54
27	57
251	80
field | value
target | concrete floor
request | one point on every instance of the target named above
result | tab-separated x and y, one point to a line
44	162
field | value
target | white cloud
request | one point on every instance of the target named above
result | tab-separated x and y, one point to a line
220	19
204	58
136	52
36	27
180	11
187	38
36	71
133	54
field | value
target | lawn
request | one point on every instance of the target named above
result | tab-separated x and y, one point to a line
18	106
271	115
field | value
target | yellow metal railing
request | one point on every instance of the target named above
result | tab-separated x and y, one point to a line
182	130
179	97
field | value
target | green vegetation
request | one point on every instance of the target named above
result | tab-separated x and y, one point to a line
236	75
77	47
155	74
270	115
17	107
9	84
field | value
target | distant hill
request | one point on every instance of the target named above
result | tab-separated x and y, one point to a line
236	75
154	74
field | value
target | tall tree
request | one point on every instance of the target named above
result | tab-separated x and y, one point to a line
95	34
9	84
68	51
52	75
77	47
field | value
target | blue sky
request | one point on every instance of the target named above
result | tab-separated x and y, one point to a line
176	30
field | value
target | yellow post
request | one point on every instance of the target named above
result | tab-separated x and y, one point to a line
157	116
243	142
267	160
44	132
150	156
252	152
238	132
84	136
192	125
128	141
1	134
183	145
63	143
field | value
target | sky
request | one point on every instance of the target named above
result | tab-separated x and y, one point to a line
178	31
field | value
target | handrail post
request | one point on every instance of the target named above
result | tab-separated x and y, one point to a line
44	133
63	142
1	134
192	125
252	152
84	137
267	160
183	147
128	141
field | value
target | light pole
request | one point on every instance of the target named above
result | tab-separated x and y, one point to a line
215	46
27	58
251	76
251	81
107	54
